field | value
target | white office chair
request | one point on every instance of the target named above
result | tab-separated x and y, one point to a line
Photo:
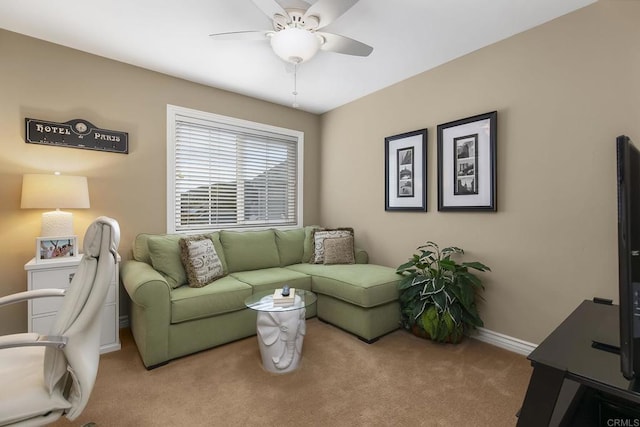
44	377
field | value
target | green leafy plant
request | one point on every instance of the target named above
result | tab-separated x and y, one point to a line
438	294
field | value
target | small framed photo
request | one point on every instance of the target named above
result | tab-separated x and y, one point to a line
467	164
405	158
56	248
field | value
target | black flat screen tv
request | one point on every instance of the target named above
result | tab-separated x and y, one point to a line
628	172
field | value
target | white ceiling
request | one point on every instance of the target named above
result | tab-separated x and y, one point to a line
171	37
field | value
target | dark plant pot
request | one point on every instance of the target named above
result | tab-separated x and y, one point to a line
419	332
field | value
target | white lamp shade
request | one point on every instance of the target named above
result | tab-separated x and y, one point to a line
295	44
40	191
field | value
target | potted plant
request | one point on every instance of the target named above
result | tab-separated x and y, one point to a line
438	294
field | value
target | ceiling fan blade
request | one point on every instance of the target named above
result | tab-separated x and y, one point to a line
329	10
271	8
258	35
345	45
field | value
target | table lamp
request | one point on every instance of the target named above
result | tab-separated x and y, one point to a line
55	191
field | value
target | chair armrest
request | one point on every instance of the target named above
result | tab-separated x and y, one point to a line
27	295
32	339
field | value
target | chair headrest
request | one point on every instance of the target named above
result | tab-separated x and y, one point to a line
93	236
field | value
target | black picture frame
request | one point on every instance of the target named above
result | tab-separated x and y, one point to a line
405	159
467	164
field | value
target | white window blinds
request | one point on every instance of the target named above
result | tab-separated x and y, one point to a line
228	173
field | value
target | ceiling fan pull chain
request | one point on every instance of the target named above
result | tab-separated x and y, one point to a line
295	85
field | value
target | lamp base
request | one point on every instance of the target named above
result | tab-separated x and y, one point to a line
57	224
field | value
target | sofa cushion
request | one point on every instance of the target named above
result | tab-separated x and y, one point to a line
365	285
200	260
249	250
273	278
164	254
308	242
164	251
318	241
215	238
140	248
339	250
223	296
290	246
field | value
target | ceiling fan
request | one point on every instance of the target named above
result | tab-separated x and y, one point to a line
295	37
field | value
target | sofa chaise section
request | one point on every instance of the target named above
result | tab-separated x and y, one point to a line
359	298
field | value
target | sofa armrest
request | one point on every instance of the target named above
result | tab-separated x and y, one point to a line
150	314
145	286
362	257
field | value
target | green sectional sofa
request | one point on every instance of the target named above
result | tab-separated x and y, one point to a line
169	319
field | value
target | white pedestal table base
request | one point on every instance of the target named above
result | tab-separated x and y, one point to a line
280	336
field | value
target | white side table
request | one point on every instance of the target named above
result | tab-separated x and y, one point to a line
280	330
58	274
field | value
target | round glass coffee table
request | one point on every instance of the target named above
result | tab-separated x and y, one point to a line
280	330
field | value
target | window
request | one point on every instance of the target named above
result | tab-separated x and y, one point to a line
224	172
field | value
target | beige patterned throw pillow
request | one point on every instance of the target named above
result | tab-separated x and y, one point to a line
339	250
200	260
320	235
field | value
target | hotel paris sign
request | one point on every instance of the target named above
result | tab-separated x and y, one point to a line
76	133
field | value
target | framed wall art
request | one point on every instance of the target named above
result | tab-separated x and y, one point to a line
467	164
405	158
56	248
77	133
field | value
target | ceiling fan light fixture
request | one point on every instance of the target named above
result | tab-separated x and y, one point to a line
295	44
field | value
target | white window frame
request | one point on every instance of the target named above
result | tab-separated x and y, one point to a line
173	112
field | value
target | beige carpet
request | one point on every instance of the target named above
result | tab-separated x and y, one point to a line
401	380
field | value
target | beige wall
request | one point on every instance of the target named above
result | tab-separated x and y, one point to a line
563	92
50	82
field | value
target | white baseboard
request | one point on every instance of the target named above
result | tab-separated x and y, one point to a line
504	341
485	335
